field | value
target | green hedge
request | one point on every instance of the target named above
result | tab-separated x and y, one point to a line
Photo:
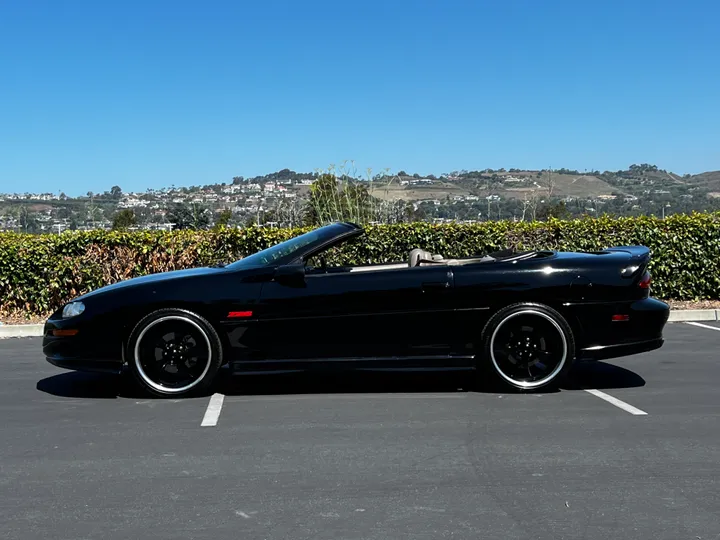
40	273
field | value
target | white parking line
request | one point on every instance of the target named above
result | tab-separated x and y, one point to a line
213	410
615	401
704	325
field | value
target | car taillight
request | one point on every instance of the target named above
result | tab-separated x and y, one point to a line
645	281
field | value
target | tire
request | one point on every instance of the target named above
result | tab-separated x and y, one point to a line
528	337
174	353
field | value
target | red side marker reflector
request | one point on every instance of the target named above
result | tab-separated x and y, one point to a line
621	317
239	314
64	333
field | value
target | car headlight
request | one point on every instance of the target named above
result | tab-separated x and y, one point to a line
73	309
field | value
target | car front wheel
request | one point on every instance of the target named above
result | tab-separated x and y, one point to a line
174	353
528	346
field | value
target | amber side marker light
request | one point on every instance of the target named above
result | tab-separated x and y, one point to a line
64	333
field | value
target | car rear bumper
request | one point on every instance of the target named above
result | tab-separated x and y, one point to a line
639	330
603	352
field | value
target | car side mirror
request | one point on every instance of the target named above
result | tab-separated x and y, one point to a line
290	274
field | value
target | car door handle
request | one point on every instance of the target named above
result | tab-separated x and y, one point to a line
435	285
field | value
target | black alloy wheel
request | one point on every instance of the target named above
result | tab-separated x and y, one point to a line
530	346
174	353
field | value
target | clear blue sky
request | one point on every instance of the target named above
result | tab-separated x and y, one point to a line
149	93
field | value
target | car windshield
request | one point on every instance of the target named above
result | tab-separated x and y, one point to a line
285	249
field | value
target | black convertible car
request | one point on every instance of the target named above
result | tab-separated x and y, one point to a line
523	317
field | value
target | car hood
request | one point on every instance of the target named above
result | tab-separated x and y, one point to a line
154	278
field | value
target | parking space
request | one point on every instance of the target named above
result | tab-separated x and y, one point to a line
710	325
681	380
366	456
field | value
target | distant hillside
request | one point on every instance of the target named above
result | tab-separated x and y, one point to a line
282	198
648	180
435	191
708	181
558	185
515	185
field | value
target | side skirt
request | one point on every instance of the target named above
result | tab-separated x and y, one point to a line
393	363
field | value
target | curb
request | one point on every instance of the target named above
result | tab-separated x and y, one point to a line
21	330
682	315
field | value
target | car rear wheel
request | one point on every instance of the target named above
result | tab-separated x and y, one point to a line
528	346
174	353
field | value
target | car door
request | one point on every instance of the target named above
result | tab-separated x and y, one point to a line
370	314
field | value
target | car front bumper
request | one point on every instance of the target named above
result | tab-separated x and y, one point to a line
85	351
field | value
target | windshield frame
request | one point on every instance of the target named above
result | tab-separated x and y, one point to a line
320	237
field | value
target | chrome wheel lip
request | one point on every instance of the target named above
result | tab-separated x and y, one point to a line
545	380
159	387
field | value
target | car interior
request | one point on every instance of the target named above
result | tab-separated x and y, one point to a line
419	257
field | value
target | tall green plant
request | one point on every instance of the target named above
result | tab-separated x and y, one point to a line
340	195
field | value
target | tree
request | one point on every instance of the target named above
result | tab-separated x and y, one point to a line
124	219
115	192
223	219
289	211
183	216
529	204
28	222
93	213
285	174
557	210
642	168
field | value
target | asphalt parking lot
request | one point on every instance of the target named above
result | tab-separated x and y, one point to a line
377	456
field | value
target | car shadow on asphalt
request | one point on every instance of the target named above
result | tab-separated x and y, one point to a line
76	384
598	375
601	376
